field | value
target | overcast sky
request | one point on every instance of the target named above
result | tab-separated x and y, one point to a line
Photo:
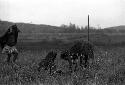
104	13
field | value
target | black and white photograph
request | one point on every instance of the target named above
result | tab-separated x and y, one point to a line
62	42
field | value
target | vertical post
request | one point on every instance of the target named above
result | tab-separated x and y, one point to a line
88	27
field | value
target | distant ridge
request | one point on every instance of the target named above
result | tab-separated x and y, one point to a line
121	27
29	28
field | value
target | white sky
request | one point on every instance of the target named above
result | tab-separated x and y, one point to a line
105	13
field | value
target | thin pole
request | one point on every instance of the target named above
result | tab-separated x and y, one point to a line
88	27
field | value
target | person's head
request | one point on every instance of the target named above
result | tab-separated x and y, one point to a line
13	28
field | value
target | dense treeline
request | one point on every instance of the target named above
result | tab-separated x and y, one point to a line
72	28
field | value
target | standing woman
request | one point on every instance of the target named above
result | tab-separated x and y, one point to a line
8	42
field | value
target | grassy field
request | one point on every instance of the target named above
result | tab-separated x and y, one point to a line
108	67
97	39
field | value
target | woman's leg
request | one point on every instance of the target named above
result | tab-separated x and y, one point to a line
15	56
8	58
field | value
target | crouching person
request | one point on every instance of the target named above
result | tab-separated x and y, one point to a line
48	63
8	42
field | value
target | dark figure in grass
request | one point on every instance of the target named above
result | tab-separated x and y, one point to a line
48	63
84	51
79	53
8	42
70	57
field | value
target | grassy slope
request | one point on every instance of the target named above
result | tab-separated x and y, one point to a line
40	33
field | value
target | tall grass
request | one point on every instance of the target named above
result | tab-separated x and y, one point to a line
108	68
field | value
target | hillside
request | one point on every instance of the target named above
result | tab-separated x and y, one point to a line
29	28
46	33
121	27
115	29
